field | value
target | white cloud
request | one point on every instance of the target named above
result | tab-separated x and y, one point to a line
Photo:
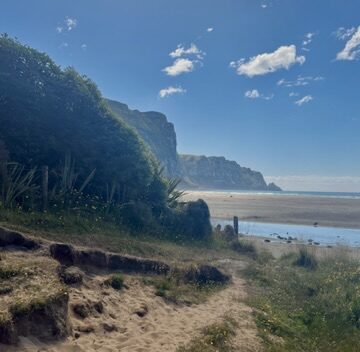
293	94
83	46
186	59
306	99
179	66
210	29
317	183
71	23
352	48
299	81
308	38
264	6
165	92
344	33
64	45
254	94
181	51
59	29
282	58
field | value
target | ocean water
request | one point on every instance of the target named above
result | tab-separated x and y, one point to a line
323	235
347	195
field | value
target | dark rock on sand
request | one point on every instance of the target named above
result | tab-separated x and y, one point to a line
71	275
81	309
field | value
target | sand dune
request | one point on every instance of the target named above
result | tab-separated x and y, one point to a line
165	327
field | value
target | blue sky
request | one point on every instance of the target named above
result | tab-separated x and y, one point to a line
272	84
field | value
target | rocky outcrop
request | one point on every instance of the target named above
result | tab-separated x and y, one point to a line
220	173
158	133
195	171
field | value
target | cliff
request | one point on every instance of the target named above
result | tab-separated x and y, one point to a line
155	130
195	171
220	173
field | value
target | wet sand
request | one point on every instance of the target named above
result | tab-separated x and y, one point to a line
302	210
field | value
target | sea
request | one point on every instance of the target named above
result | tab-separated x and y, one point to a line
304	233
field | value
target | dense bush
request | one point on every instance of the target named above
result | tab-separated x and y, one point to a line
49	113
98	166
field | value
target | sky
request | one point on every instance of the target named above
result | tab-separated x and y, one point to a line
271	84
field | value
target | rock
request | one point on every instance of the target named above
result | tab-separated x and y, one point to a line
266	240
229	233
109	327
220	173
156	131
17	239
99	307
71	275
317	243
142	311
204	274
81	309
64	253
77	335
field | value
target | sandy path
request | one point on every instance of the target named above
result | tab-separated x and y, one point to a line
164	328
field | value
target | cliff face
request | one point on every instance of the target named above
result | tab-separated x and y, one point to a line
156	131
220	173
195	171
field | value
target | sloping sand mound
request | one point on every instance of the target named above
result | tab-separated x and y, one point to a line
136	320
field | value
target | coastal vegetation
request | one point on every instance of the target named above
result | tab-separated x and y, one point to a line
303	303
64	152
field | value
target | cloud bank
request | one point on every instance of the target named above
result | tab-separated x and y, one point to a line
351	50
165	92
282	58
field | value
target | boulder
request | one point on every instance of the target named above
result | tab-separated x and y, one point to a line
71	275
229	233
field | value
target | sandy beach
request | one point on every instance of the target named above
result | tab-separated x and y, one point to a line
287	209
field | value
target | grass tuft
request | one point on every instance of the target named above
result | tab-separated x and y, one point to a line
306	259
214	338
116	281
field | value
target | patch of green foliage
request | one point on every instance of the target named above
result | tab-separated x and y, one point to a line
214	338
298	309
173	289
116	281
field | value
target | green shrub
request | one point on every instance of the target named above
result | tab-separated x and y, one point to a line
116	281
306	259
